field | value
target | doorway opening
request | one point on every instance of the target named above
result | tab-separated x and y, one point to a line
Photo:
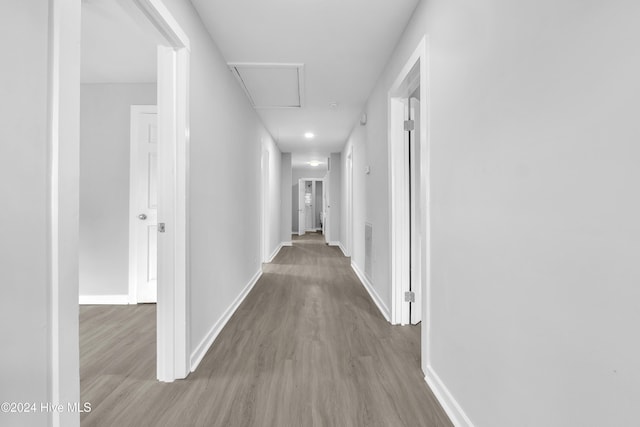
133	170
312	206
409	196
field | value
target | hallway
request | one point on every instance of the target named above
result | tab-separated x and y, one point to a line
307	347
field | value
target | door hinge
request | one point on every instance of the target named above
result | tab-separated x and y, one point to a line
161	227
410	296
409	125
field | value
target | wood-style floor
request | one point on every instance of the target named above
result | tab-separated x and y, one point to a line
307	347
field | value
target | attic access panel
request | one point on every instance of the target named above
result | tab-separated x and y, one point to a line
271	85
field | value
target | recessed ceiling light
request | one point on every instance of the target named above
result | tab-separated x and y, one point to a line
314	163
333	105
309	135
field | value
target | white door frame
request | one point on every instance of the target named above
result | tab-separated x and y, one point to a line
173	142
173	174
399	196
349	225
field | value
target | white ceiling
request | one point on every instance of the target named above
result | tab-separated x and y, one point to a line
343	44
118	43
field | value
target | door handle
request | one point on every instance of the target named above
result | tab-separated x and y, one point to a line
142	217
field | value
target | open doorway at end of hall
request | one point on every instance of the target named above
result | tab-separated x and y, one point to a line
309	202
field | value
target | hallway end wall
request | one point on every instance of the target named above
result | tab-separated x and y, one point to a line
296	174
534	229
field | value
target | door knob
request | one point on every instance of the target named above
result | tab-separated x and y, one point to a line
142	217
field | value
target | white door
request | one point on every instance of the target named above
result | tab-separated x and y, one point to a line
301	216
143	252
417	216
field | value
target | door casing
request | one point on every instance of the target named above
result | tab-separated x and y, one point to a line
399	225
63	140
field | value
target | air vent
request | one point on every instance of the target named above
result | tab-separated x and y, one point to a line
271	85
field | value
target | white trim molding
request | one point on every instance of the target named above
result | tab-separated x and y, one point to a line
286	243
275	252
446	399
198	354
103	299
372	292
342	248
399	198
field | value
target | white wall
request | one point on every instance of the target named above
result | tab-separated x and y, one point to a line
225	182
535	231
24	360
38	231
286	207
104	184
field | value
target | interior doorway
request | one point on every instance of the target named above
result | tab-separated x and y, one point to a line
312	205
409	197
155	203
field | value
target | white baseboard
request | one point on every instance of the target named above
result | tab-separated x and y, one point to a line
205	344
344	251
275	252
287	244
103	299
446	399
372	292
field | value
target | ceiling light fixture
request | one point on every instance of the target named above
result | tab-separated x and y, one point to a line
314	163
309	135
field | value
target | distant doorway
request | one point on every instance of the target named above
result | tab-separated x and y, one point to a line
312	205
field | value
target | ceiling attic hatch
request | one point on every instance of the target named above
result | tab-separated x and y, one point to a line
271	85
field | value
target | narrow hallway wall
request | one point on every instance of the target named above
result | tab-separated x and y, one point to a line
225	184
533	135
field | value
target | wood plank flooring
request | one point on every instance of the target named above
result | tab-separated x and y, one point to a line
307	347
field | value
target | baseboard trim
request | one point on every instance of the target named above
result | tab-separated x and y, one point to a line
207	342
372	292
103	299
275	252
287	243
344	251
446	399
